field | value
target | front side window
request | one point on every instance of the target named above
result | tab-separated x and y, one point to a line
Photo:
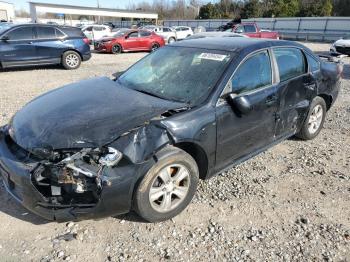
239	29
177	73
45	32
314	65
134	35
165	29
98	28
89	29
290	61
22	33
254	73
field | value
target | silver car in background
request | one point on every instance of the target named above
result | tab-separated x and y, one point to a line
214	34
167	33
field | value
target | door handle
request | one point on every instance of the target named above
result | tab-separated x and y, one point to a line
271	100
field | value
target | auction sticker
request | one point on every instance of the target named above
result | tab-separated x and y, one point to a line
211	56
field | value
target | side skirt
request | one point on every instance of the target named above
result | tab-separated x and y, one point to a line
251	155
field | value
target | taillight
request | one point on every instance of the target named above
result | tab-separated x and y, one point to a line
86	41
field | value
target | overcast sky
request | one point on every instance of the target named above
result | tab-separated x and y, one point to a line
103	3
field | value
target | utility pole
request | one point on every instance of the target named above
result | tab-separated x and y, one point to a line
98	6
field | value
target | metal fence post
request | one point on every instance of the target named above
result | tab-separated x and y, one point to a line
325	29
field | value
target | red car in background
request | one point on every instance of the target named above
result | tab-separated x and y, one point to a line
129	40
252	30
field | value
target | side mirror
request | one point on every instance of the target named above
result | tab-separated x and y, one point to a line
117	75
126	37
5	38
240	103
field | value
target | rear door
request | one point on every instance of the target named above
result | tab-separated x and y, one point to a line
49	43
145	39
239	135
296	88
19	48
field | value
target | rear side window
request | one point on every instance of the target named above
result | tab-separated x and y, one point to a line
22	33
59	33
254	73
290	61
184	29
89	29
249	29
45	32
314	65
145	33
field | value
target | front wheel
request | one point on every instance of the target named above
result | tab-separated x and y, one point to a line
71	60
116	49
168	187
171	40
315	119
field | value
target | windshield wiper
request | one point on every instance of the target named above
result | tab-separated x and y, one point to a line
149	93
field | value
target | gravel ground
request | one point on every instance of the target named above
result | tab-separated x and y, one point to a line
291	203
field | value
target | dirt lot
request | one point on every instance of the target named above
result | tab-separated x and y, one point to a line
291	203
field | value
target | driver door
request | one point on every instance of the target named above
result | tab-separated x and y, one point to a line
241	134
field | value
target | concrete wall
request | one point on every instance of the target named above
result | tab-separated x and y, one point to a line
8	9
296	28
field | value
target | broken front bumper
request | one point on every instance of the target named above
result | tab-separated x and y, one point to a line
115	198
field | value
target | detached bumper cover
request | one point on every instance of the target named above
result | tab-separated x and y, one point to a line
114	199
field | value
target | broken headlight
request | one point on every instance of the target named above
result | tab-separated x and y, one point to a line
111	158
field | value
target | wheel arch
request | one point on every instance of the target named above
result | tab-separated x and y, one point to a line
198	154
74	50
328	99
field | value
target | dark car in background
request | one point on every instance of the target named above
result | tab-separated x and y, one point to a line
185	112
41	44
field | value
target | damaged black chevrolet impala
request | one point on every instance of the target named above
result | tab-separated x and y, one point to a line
141	142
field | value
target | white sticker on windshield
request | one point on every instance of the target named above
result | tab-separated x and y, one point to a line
211	56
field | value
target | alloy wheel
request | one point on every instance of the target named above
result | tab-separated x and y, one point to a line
315	119
169	188
155	47
72	60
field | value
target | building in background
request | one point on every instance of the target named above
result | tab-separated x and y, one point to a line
69	14
7	11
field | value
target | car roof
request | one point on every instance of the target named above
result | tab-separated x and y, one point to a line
234	44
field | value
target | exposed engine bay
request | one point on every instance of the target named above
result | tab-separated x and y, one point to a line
77	179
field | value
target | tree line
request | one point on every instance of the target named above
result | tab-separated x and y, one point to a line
274	8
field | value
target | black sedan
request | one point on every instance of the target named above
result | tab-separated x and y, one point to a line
141	142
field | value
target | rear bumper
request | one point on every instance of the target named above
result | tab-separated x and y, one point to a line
114	199
86	57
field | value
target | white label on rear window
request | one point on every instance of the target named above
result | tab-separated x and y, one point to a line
210	56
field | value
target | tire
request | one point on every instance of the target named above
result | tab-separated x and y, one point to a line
116	49
71	60
314	121
156	200
154	47
171	40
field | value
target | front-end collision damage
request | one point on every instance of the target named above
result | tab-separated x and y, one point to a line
81	179
77	179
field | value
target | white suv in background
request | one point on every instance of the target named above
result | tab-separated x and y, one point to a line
167	33
182	32
95	32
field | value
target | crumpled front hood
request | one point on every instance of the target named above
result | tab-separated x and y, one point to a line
89	113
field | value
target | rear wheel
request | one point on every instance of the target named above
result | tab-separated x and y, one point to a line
315	119
154	47
116	49
71	60
168	187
